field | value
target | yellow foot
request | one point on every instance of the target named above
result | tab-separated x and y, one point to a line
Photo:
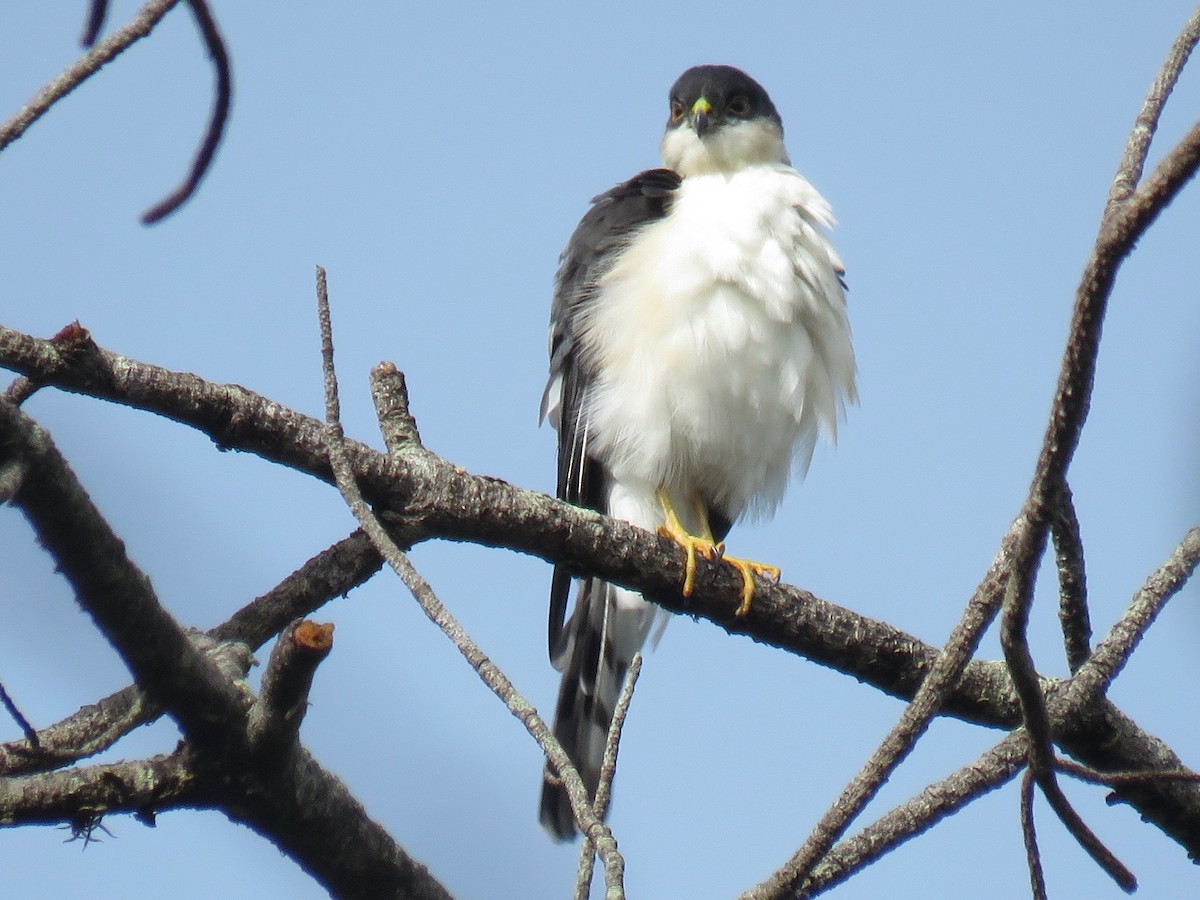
708	548
749	569
692	546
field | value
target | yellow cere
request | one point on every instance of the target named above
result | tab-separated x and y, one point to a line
701	106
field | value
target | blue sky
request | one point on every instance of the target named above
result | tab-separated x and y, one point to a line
435	160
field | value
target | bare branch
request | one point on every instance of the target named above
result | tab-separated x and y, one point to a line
20	390
77	795
608	769
31	735
1113	652
929	699
1129	172
1115	779
1086	838
1072	579
112	589
1033	857
932	805
331	573
396	422
222	99
312	817
273	727
1061	717
87	65
448	502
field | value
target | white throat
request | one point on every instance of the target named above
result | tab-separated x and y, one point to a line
731	148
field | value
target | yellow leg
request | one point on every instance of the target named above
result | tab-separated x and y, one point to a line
705	546
690	543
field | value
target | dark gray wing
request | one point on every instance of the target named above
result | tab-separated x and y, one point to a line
614	217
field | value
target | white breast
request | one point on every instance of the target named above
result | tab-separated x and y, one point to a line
723	343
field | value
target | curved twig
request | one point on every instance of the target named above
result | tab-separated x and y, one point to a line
222	99
1033	856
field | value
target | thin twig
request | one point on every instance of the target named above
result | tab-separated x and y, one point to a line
222	99
1133	160
83	68
1122	779
496	680
1013	638
1033	857
612	745
1084	836
1113	652
396	422
97	13
332	573
912	818
1122	223
31	734
608	769
98	726
930	697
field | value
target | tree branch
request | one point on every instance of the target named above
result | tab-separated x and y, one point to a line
273	727
1072	580
87	66
113	591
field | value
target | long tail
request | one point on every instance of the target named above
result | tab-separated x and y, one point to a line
608	626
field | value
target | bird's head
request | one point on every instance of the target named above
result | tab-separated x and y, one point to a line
721	120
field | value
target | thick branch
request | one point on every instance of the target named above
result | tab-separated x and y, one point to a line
78	796
313	818
116	594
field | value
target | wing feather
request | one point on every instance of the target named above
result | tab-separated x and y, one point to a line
615	216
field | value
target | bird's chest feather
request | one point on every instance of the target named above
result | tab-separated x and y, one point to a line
701	331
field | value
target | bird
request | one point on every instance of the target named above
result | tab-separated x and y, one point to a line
699	345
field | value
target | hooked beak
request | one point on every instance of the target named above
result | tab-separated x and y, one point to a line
701	117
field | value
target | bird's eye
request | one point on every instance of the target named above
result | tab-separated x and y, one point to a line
738	105
676	112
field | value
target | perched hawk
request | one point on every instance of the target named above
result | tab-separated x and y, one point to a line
698	345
